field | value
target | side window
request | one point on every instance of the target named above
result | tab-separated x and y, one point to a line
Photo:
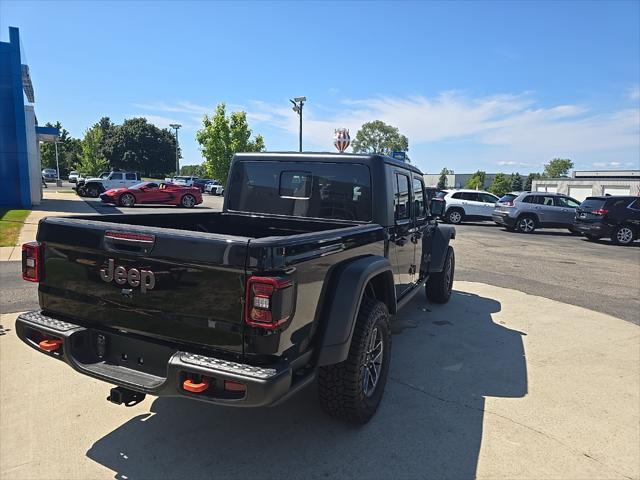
131	176
116	176
470	196
635	205
529	199
487	198
402	197
295	184
567	202
544	200
457	195
419	204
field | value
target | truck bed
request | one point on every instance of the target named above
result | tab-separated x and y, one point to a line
200	263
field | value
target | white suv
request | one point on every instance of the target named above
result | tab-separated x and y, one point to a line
468	205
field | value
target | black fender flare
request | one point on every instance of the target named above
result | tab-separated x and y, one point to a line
342	305
437	247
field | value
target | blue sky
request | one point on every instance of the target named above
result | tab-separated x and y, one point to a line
498	86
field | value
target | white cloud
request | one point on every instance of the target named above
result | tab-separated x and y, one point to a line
513	124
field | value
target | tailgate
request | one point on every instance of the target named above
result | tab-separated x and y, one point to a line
175	285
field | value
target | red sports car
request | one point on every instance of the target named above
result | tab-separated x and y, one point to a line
152	192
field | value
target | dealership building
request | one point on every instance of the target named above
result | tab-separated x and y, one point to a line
583	184
20	169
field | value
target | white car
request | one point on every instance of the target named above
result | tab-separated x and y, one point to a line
93	187
214	188
184	181
468	205
73	176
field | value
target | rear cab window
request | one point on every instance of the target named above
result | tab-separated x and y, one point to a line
339	191
402	210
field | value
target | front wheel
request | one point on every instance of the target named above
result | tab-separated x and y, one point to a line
623	235
352	390
439	285
188	201
92	191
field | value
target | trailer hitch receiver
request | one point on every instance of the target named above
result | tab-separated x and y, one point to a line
129	398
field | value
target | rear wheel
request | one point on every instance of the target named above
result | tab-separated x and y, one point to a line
127	200
623	235
352	390
526	224
454	216
188	201
440	284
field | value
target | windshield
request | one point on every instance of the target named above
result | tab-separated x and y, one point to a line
302	189
138	186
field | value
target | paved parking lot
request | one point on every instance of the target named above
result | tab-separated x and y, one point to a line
495	384
511	379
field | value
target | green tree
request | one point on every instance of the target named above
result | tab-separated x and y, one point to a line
501	184
557	168
529	181
109	130
69	151
516	182
92	160
223	136
476	182
138	145
442	181
378	137
193	170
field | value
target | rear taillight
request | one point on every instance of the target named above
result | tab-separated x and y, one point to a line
600	211
31	261
269	301
507	204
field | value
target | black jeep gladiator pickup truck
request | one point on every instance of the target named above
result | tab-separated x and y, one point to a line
294	281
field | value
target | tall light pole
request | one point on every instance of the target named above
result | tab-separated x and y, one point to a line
298	102
176	126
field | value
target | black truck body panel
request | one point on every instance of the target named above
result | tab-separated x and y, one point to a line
196	266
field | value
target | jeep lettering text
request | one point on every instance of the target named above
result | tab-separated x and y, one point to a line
145	279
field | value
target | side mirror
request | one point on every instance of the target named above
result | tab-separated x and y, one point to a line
437	208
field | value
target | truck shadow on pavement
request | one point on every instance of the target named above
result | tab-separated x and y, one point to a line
446	360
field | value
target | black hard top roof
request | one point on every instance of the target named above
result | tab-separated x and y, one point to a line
328	156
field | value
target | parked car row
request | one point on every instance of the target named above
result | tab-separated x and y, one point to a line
212	187
614	217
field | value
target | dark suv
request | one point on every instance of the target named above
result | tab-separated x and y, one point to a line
615	217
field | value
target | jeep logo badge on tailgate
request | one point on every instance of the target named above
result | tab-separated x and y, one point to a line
145	279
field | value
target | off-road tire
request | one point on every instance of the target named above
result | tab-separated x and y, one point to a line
92	191
125	201
454	216
341	386
623	235
439	285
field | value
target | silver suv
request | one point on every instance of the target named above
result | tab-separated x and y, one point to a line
526	211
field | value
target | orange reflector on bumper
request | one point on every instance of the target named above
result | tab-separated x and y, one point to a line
50	344
231	386
191	386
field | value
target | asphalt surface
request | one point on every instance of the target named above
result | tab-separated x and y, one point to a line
554	264
548	263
